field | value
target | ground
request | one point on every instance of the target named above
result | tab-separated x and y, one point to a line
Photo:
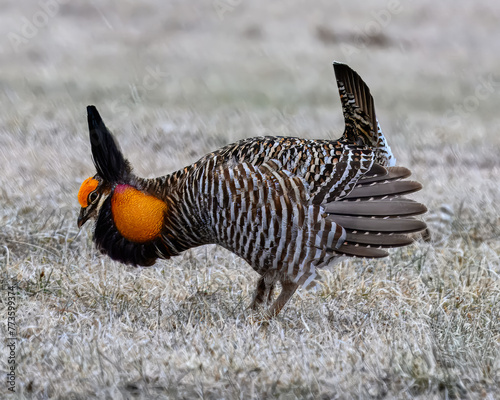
174	80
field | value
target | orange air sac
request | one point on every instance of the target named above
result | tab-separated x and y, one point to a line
138	216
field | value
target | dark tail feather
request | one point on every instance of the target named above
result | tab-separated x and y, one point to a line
381	190
377	208
362	251
108	159
379	239
379	225
388	174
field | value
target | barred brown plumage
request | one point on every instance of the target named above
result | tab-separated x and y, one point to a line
287	206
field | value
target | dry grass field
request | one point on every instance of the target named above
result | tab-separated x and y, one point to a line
174	80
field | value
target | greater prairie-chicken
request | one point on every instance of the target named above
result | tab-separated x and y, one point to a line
287	206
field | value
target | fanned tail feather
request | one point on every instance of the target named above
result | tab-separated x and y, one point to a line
375	215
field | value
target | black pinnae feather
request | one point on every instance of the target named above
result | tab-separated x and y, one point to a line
108	159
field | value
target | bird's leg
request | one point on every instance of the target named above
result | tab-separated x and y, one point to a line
270	294
260	293
288	289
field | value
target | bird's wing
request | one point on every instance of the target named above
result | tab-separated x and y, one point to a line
336	181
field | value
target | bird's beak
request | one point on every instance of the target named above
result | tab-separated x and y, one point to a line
83	217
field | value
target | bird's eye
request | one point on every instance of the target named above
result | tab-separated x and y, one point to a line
93	197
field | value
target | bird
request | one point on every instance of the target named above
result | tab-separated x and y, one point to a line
287	206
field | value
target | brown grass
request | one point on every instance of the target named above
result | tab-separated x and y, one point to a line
421	324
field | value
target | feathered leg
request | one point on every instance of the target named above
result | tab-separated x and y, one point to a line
287	292
263	293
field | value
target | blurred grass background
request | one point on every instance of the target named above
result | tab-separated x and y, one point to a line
174	80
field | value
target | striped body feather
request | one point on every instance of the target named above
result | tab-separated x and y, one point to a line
280	213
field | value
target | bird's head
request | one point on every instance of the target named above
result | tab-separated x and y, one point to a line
129	221
91	195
